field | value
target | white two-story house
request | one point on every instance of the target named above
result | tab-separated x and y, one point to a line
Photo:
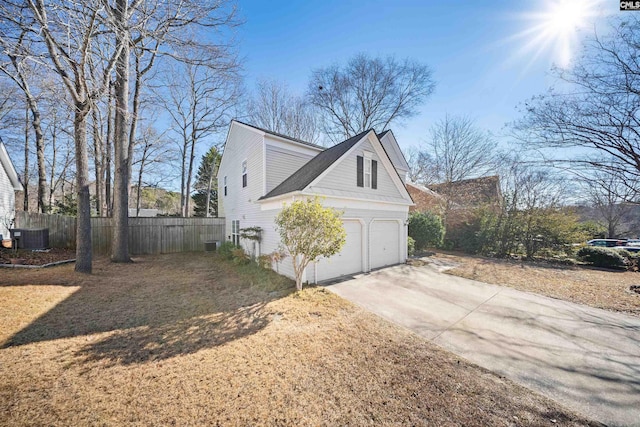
364	177
9	184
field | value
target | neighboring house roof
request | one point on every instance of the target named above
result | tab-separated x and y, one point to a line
314	167
279	135
471	192
425	199
9	169
426	190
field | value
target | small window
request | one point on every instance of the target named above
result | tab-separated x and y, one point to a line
225	185
235	232
244	174
367	171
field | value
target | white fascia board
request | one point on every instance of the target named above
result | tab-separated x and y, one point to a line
396	147
277	201
361	203
335	202
279	138
281	142
7	164
224	148
388	164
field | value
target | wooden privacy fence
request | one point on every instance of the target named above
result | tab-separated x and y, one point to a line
146	235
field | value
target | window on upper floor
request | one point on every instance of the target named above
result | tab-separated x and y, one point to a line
225	185
366	171
244	174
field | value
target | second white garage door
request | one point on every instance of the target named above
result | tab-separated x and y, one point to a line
348	260
385	243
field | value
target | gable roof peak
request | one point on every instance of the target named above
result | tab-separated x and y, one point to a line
314	167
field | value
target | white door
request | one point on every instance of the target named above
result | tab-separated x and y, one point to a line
348	260
385	243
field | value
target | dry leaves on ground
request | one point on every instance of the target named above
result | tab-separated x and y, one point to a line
595	287
189	339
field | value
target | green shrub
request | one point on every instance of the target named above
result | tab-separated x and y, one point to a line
602	257
240	257
426	229
226	250
632	259
411	246
264	261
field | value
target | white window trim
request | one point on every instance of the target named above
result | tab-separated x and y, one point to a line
235	231
367	172
244	169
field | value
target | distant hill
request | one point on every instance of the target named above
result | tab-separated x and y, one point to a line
629	225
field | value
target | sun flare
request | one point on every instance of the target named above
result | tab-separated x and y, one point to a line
554	30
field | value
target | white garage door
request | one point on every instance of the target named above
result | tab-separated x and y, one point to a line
385	243
348	260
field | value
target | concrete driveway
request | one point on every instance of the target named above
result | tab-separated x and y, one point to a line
585	358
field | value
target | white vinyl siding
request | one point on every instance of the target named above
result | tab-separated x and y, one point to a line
243	144
282	163
342	179
7	202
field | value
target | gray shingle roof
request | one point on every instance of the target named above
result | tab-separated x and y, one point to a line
382	134
280	135
314	167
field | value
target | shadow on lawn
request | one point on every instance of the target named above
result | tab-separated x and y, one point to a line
159	307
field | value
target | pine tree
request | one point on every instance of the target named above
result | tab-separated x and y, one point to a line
207	185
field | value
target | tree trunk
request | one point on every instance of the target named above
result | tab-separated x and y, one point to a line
183	176
107	153
54	157
83	235
120	241
189	173
25	202
42	173
140	172
134	116
98	161
209	195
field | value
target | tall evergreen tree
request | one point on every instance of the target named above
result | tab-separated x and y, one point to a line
205	199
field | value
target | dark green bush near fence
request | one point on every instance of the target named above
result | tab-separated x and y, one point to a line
426	229
603	257
226	250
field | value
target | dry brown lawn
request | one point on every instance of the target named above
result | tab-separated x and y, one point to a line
595	287
192	340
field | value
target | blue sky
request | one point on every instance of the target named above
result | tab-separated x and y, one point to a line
483	69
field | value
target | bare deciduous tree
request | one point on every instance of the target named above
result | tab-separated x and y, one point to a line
597	109
200	101
368	93
20	71
68	31
151	154
607	196
459	150
275	108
